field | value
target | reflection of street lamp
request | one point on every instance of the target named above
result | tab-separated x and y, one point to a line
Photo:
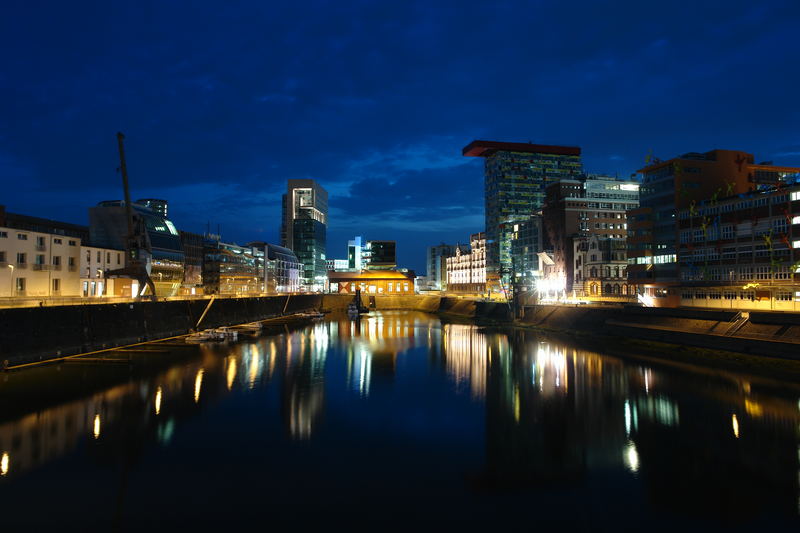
11	292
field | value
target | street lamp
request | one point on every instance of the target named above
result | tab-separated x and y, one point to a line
11	292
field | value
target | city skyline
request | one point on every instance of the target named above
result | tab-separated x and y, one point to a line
374	103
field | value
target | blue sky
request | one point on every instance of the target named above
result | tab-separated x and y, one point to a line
221	103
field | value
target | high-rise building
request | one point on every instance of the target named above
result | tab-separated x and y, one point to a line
516	176
684	182
304	228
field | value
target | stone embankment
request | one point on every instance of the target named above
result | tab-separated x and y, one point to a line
34	334
42	333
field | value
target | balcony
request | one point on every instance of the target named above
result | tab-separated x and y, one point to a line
22	265
72	268
56	267
41	247
38	266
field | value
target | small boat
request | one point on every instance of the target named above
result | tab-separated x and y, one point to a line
313	315
228	334
253	329
208	335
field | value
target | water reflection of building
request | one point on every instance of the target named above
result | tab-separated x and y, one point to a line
373	344
116	422
466	352
304	381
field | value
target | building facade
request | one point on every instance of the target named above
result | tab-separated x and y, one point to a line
192	245
232	270
466	272
577	210
380	255
387	282
280	268
528	240
94	263
516	177
436	262
677	184
742	252
601	269
38	265
304	228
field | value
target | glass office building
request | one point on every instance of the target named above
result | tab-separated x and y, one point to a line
304	229
516	176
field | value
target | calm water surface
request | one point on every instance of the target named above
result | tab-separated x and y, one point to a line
395	421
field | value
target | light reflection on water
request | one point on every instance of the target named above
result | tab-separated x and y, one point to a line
513	411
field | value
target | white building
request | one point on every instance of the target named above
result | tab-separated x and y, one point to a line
38	265
95	263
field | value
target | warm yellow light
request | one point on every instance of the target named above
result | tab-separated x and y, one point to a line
255	363
158	401
231	375
751	286
96	428
198	384
753	408
4	465
735	423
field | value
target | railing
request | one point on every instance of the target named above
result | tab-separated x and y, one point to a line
22	265
38	266
56	267
41	247
72	268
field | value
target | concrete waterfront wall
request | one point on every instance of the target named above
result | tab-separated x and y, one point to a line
40	333
772	334
416	302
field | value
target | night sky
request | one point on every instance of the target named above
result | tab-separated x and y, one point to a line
222	102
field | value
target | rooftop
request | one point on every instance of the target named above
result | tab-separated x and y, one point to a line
487	148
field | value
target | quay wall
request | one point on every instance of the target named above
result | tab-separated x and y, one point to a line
41	333
770	334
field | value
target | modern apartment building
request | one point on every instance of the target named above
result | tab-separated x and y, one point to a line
742	252
692	179
304	228
516	177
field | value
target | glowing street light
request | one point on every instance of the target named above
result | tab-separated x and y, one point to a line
11	288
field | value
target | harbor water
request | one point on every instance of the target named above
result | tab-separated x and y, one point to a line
395	420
